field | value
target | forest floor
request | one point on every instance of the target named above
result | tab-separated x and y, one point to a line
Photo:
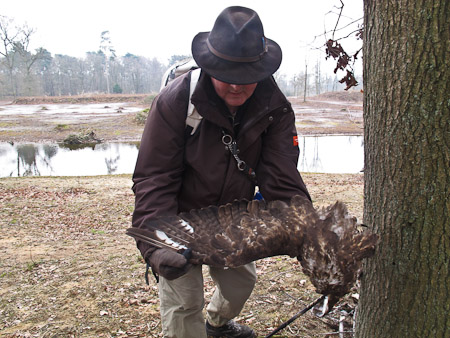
67	269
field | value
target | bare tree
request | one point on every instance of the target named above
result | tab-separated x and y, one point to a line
27	72
17	56
110	54
298	83
8	35
318	78
27	58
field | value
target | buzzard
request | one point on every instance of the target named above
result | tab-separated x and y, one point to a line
327	241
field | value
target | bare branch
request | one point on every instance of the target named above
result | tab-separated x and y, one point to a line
339	17
335	50
339	29
8	35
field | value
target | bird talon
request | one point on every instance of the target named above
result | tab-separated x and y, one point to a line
323	308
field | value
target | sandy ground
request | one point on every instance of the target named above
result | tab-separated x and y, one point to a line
44	121
67	269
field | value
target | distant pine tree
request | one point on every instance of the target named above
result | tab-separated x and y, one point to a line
117	89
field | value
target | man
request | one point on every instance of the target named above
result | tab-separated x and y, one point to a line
238	101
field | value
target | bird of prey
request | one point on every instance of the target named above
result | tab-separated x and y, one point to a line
327	242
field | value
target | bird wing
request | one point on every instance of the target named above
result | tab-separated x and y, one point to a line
326	241
229	235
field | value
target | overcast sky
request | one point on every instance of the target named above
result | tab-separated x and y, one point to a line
163	28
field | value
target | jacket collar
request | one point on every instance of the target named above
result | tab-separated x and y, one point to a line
208	104
266	98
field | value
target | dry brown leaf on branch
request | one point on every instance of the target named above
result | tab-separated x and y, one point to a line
349	80
336	51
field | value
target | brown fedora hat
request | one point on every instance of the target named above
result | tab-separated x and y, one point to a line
236	50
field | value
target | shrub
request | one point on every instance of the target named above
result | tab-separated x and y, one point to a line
149	99
117	89
141	116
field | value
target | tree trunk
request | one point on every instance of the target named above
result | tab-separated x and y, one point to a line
405	289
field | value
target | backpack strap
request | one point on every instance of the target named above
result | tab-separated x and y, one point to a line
193	118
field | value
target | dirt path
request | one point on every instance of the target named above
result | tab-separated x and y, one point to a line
68	270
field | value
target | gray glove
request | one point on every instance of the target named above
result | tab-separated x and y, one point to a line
168	263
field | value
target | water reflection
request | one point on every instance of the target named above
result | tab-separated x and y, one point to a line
63	160
27	156
330	154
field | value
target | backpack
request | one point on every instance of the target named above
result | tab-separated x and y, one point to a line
193	118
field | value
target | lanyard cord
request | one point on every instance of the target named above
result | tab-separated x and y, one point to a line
231	144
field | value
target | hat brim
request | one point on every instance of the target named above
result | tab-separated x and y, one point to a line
236	72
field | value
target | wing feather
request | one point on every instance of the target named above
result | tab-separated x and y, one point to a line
326	241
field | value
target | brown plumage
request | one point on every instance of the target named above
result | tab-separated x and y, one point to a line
326	241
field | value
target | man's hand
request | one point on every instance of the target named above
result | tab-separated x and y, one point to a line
168	263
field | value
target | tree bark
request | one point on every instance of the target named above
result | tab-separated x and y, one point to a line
405	289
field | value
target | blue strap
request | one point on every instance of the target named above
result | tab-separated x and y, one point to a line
258	196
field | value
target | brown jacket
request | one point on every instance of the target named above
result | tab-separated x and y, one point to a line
177	172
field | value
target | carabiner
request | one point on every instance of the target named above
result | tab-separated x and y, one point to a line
227	139
241	165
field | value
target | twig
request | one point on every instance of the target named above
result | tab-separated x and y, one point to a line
298	314
334	333
289	296
348	35
333	31
339	17
273	279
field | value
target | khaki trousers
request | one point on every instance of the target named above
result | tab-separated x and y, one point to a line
182	300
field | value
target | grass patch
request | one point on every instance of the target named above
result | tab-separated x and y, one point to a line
30	266
141	116
149	99
7	124
97	232
62	127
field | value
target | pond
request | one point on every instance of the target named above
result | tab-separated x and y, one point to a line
326	154
331	154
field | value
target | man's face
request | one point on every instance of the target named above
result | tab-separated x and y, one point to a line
233	95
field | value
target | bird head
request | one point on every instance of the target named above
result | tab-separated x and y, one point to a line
333	249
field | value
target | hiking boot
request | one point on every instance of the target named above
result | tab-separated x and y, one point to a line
229	330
